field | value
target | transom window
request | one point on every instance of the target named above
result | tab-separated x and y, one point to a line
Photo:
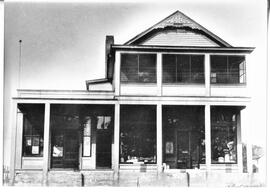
228	69
138	68
183	68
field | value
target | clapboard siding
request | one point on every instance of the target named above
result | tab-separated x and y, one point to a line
182	38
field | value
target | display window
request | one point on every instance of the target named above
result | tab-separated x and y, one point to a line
33	129
137	134
224	125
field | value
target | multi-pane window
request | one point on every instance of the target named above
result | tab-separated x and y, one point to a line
138	68
224	125
183	68
228	69
33	129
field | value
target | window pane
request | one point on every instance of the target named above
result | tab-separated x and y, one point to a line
197	69
129	68
138	68
218	69
235	62
224	122
169	68
147	68
183	69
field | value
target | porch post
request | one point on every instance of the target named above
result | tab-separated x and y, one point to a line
248	137
207	70
159	74
46	150
116	137
19	140
12	144
159	137
239	144
207	137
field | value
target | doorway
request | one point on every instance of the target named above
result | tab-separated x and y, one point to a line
65	149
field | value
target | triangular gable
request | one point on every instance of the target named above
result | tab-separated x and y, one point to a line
178	20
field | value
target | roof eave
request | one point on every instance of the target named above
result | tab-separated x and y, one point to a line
182	48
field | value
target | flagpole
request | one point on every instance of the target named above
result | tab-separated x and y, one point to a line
20	60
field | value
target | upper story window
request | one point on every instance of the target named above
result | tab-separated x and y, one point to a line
228	69
183	68
138	68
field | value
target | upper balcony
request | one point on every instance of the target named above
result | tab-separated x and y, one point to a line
180	74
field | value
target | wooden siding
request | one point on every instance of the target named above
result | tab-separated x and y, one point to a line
182	38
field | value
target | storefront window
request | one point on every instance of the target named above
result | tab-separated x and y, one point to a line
138	134
183	137
33	129
224	125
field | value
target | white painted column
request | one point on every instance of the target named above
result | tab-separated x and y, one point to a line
13	144
116	136
46	144
159	74
117	73
207	125
159	137
239	144
247	137
207	70
19	140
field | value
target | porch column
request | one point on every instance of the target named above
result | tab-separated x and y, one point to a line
159	74
239	144
46	149
207	70
159	137
19	140
247	137
13	144
207	125
116	136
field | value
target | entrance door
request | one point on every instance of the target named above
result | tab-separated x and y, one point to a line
65	149
103	148
184	160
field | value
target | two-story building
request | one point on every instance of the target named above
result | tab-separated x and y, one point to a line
174	104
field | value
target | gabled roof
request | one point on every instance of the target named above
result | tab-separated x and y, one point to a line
178	20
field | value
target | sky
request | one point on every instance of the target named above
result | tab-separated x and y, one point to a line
63	44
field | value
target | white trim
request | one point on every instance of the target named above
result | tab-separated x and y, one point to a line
46	148
207	116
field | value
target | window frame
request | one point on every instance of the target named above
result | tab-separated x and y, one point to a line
138	54
178	64
244	69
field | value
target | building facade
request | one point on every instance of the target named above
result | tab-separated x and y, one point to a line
174	104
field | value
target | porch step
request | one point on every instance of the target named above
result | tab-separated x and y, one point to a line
28	178
98	178
64	178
